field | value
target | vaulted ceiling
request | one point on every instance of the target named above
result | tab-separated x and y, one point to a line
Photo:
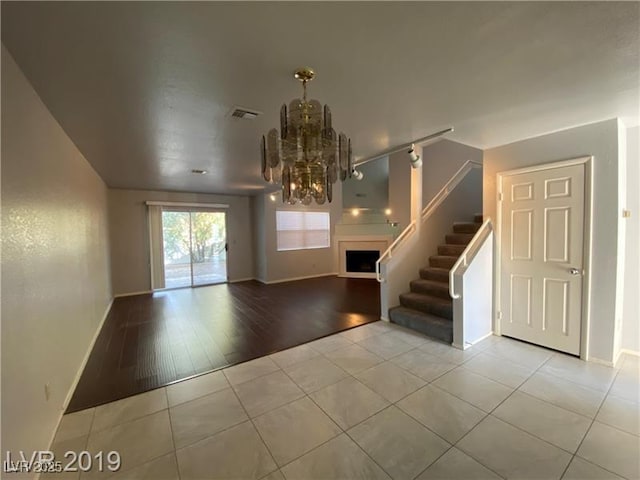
144	89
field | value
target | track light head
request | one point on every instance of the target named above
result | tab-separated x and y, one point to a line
414	158
357	174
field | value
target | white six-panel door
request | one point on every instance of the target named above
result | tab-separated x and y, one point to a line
542	228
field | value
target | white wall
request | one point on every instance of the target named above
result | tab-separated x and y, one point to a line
600	140
440	161
55	263
130	235
370	192
277	266
631	309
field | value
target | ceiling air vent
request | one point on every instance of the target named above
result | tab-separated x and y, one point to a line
246	113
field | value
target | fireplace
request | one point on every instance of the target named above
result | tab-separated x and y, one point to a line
357	254
362	261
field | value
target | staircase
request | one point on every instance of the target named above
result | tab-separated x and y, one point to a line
428	308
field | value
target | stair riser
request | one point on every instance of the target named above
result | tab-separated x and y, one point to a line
465	228
444	311
441	291
439	262
434	275
451	250
434	330
459	239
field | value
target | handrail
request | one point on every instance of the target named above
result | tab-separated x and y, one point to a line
429	209
448	187
462	260
387	253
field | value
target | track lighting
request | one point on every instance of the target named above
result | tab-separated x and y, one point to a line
414	158
357	174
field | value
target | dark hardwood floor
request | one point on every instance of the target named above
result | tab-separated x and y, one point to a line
152	340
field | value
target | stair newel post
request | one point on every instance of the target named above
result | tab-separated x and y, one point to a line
416	195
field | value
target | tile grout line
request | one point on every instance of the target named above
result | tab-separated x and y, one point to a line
345	432
152	458
173	440
489	414
348	374
604	399
256	430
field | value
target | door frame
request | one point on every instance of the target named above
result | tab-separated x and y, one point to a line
585	320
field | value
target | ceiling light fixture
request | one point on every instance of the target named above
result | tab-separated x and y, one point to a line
306	157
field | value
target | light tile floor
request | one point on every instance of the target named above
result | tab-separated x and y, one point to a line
377	401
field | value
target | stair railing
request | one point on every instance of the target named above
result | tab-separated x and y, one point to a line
427	211
388	252
469	254
448	187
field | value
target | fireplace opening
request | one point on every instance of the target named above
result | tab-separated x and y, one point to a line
362	261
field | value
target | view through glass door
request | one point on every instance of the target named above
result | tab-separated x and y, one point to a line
194	244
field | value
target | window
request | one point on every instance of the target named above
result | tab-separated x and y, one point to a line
302	230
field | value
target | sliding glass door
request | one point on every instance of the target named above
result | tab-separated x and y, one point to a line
194	245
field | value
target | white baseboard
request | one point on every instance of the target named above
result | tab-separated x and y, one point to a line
635	353
293	279
599	361
490	334
626	351
143	292
471	344
74	384
384	319
237	280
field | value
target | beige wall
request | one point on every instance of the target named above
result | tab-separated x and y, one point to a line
601	141
274	266
130	235
55	263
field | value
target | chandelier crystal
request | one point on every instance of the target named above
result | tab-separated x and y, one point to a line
306	157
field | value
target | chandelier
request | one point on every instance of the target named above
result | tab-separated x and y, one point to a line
307	156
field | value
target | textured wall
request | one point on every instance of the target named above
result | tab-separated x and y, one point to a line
55	263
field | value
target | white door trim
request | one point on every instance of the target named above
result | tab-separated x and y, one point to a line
587	241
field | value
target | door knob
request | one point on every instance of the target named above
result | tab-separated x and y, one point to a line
574	271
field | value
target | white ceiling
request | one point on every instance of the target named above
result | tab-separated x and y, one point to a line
144	89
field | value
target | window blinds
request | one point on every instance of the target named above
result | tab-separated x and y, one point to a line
302	230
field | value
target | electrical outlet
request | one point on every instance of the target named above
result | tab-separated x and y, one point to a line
47	391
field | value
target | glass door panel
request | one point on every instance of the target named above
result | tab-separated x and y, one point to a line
208	247
176	237
194	248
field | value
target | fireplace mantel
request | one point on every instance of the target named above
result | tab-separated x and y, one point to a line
359	243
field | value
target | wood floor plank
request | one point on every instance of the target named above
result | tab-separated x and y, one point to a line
149	341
